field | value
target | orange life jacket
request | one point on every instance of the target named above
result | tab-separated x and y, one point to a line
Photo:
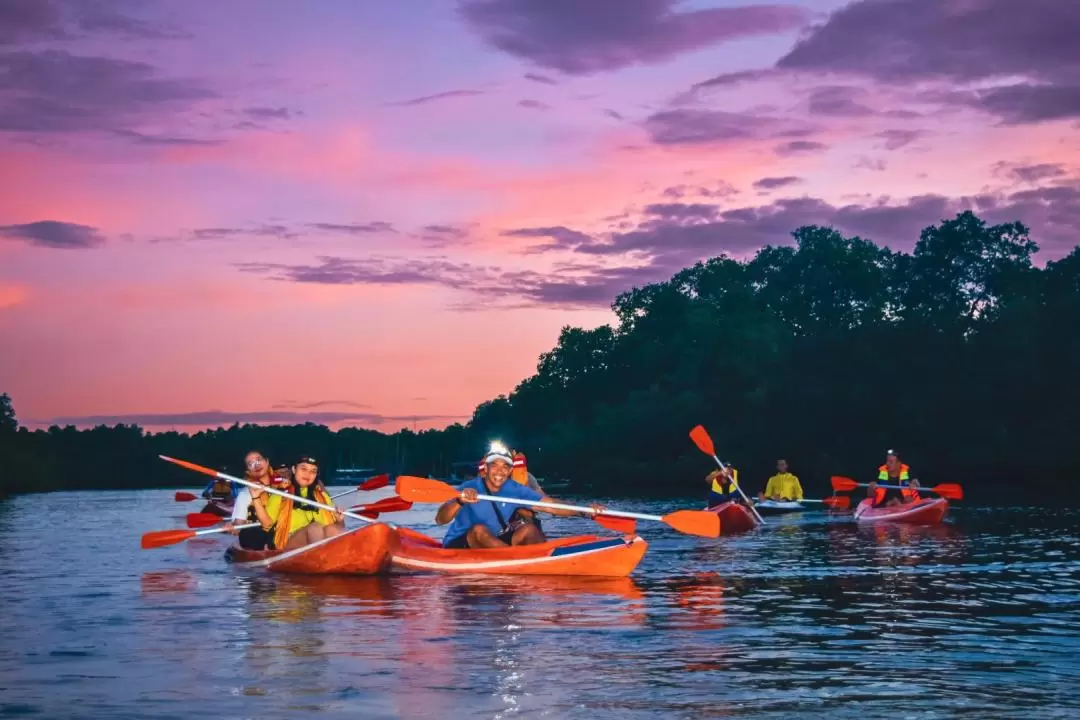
281	531
883	477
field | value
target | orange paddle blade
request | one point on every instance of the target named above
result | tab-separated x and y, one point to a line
163	538
189	466
841	483
695	522
376	482
626	526
951	491
840	502
390	504
185	497
701	438
202	520
424	490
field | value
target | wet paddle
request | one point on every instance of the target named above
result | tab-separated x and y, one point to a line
950	491
704	443
691	522
372	483
203	520
164	538
184	497
390	504
264	488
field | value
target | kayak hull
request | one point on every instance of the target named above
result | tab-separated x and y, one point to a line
365	550
773	507
216	507
588	555
927	511
734	518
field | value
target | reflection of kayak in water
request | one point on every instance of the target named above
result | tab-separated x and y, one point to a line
361	551
734	517
219	508
779	507
928	511
585	555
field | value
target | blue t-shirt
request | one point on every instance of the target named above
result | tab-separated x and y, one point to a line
482	512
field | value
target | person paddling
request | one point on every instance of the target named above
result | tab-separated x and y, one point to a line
257	470
476	523
783	486
893	472
723	486
222	491
293	524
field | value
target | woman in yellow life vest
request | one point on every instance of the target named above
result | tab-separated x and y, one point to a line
723	486
295	524
783	486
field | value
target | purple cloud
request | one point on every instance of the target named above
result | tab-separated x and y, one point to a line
424	99
269	113
563	237
908	41
678	192
696	127
53	20
542	79
675	212
223	233
896	139
1032	173
52	91
295	405
54	234
164	140
221	418
772	183
355	228
533	105
796	147
838	101
581	38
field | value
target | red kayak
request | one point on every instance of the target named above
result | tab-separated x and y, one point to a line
928	511
365	550
734	517
219	508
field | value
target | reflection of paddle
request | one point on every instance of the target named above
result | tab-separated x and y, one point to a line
951	491
185	496
838	502
163	538
692	522
372	483
701	438
202	520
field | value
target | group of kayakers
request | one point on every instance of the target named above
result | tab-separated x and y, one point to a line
899	487
267	521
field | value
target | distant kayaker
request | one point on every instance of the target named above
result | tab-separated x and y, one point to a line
293	524
478	523
723	486
257	469
783	486
893	472
221	491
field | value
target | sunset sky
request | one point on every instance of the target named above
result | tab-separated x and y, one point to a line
365	212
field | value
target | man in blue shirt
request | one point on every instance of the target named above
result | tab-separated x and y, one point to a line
478	523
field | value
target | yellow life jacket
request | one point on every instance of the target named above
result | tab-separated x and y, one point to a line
716	488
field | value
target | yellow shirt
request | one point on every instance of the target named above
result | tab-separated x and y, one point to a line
301	516
785	485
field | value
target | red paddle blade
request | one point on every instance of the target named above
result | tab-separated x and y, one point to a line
626	526
694	522
376	482
368	514
840	502
841	483
163	538
701	438
951	491
185	497
390	504
202	520
424	490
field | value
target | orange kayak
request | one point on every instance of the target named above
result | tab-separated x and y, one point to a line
927	511
365	550
734	518
585	555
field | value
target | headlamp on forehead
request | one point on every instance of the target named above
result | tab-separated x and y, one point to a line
498	451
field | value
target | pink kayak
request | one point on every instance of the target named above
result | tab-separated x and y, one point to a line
928	511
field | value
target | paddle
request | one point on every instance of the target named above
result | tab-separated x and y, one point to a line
692	522
184	496
372	483
950	491
390	504
701	438
838	502
264	488
202	520
164	538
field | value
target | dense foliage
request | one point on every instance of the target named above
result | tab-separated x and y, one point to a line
962	355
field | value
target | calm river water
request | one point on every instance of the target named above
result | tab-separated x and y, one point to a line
810	616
